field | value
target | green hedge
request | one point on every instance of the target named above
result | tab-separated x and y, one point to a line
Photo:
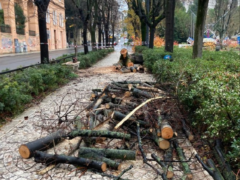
19	88
92	57
209	88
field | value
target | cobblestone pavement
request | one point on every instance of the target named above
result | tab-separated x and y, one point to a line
20	131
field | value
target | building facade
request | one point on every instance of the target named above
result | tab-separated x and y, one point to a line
16	38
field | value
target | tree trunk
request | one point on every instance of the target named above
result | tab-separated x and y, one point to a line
151	41
169	26
110	153
143	32
75	41
199	28
85	44
28	150
41	157
93	39
113	37
186	170
92	133
42	10
99	36
106	36
112	164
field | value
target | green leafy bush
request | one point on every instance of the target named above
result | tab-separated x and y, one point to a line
209	89
18	88
140	49
92	57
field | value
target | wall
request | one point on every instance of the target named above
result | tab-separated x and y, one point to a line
31	41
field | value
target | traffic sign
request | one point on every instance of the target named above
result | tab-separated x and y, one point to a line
238	39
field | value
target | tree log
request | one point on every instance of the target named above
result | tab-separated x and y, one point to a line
162	143
212	170
119	116
168	171
148	88
110	153
93	133
166	130
129	82
27	150
225	167
109	162
137	93
168	157
186	170
41	157
188	133
112	106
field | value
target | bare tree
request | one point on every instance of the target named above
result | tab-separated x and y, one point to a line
224	12
155	15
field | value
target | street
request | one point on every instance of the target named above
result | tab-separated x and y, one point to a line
13	61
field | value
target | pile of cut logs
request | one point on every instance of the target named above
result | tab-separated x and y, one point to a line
123	112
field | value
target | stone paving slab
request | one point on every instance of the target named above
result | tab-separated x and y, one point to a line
42	119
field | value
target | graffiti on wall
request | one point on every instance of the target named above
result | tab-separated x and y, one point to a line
6	43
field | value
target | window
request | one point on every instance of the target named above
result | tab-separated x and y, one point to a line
54	18
48	16
48	34
60	20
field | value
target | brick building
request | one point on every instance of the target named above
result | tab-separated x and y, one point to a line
16	40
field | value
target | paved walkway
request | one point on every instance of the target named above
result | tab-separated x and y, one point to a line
43	119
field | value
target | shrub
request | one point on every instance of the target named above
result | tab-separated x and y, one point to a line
140	49
17	88
209	89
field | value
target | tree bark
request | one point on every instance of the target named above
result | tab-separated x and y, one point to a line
199	28
28	150
110	153
93	133
41	157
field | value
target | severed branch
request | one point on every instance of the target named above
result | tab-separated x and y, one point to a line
131	113
213	171
144	156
